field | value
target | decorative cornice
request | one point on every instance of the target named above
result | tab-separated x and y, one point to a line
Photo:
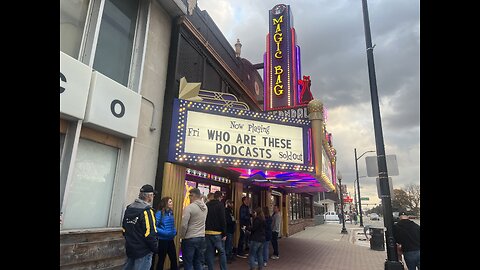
193	30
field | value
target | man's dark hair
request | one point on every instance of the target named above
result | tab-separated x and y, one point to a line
243	199
217	195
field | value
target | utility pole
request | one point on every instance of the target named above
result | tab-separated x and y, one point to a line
392	262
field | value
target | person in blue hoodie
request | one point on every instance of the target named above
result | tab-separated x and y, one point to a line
166	231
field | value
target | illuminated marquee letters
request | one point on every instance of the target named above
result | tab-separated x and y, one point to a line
278	38
282	67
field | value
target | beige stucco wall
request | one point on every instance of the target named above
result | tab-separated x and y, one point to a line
145	150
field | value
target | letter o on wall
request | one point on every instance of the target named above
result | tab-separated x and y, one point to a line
122	108
63	79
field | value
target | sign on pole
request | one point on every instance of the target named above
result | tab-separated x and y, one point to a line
372	165
390	185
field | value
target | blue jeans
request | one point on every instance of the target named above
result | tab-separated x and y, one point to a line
266	250
215	242
229	246
412	259
142	263
256	254
193	250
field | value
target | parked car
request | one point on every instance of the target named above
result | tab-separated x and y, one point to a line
331	216
374	216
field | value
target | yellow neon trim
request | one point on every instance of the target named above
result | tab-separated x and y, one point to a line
212	232
154	220
147	223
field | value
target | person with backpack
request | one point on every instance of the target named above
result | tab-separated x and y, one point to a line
166	231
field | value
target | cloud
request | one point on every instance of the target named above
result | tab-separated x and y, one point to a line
332	40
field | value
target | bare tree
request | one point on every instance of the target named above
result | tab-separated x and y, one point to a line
413	191
401	200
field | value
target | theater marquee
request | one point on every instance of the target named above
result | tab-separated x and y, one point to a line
210	134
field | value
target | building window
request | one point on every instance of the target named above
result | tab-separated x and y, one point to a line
295	206
308	207
72	22
290	209
300	206
91	188
115	40
108	35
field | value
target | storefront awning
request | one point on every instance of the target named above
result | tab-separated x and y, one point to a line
292	182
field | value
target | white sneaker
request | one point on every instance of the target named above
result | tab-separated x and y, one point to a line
264	264
274	257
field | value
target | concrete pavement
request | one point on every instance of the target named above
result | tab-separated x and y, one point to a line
322	247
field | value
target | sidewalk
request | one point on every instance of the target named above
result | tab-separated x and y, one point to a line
322	247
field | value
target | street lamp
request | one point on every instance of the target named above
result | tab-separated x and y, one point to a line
358	184
339	177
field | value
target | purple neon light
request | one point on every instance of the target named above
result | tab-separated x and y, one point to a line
299	90
264	178
309	138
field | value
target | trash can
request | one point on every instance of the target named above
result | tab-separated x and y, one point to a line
319	220
377	239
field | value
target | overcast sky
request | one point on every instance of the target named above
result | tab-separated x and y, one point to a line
332	41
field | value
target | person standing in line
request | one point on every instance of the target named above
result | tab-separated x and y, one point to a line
354	216
216	231
209	197
268	234
192	231
276	221
407	234
257	239
166	232
245	224
139	230
230	219
206	199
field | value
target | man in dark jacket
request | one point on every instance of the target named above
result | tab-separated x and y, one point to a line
245	224
229	217
139	231
407	234
215	231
